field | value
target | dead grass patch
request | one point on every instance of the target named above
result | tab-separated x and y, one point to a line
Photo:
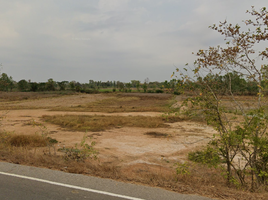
27	140
13	100
9	140
126	103
101	122
20	96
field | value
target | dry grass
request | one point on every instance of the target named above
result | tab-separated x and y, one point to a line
27	140
9	100
201	180
14	140
101	122
20	96
136	102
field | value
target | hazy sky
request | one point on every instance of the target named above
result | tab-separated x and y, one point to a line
109	39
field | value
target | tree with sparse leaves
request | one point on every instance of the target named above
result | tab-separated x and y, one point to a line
242	139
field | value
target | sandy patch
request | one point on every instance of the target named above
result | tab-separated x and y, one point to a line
121	146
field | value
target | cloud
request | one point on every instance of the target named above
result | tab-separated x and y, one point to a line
108	39
114	5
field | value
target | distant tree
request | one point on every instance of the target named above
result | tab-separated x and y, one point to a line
78	87
33	86
42	86
6	83
23	85
128	85
120	85
92	84
144	87
138	84
167	85
51	85
72	85
62	85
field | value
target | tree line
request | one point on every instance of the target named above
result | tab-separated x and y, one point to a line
239	85
7	84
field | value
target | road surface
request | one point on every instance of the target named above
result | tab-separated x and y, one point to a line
24	182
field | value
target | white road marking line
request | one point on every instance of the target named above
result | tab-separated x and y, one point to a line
71	186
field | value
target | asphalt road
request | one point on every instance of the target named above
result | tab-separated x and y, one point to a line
24	182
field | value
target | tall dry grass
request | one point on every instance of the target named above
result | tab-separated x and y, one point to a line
102	122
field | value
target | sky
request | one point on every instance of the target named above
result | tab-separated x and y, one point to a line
115	40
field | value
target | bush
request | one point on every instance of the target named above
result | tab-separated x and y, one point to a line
106	91
91	91
81	152
208	156
159	91
176	93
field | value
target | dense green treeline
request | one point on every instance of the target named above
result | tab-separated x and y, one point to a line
7	84
239	85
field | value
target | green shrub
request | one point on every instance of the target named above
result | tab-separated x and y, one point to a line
176	93
207	156
81	152
159	91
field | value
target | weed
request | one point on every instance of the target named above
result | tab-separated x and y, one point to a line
81	152
159	91
182	168
50	142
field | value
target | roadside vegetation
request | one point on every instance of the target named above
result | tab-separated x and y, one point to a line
184	178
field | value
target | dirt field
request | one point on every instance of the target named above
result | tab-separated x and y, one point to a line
127	151
121	145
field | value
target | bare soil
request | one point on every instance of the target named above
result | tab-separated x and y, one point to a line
142	154
121	145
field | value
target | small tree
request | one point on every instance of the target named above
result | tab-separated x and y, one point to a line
121	86
138	84
242	140
128	85
144	87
